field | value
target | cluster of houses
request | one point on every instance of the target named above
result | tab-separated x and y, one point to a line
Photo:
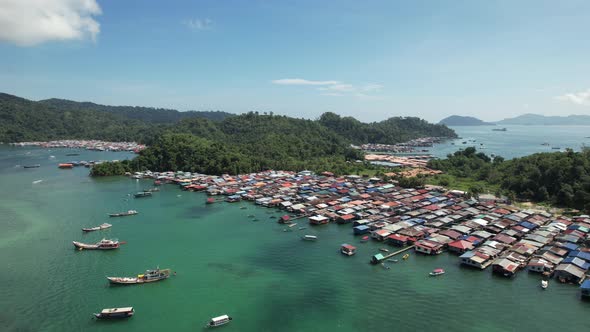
406	147
432	220
88	145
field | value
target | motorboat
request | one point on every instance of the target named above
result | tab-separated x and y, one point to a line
218	321
115	313
149	276
437	272
544	284
309	237
103	244
97	228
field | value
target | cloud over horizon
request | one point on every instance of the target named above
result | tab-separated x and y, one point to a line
578	98
198	24
333	88
32	22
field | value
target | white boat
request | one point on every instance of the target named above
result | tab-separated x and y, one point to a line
544	284
97	228
436	272
309	237
218	321
115	313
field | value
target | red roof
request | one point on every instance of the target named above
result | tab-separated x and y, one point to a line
398	237
347	216
461	244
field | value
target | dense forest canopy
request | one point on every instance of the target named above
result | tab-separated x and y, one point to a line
560	178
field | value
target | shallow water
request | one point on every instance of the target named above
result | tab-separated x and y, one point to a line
267	279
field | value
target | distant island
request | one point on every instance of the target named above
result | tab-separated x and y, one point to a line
458	120
541	120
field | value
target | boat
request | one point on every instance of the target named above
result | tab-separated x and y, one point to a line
292	225
103	244
545	144
384	249
210	200
499	129
123	214
556	148
309	237
302	228
37	181
218	321
544	284
32	166
406	256
347	249
436	272
286	219
154	189
97	228
385	266
72	154
149	276
243	208
392	260
115	313
66	166
365	238
142	194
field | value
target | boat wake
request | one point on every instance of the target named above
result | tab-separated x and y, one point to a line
37	181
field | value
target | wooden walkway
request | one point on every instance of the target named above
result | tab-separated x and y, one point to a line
397	252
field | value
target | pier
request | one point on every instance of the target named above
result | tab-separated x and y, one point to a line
376	260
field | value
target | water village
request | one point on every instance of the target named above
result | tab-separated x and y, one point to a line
94	145
483	233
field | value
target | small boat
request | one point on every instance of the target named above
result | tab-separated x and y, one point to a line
243	208
37	181
499	129
151	190
348	249
157	183
556	148
115	313
309	237
545	144
32	166
436	272
143	194
292	225
384	249
385	266
544	284
285	219
103	244
66	166
148	276
72	154
302	228
123	214
406	256
97	228
392	260
365	238
210	200
251	216
218	321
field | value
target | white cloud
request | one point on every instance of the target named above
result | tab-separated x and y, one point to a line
300	81
198	24
579	98
32	22
336	88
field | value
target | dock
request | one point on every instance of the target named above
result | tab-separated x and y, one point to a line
376	260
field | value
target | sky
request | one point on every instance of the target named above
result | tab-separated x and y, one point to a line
367	59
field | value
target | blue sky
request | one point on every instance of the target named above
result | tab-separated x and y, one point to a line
367	59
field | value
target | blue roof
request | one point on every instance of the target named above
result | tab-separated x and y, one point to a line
345	199
580	254
468	254
361	227
433	200
585	284
577	262
570	246
528	225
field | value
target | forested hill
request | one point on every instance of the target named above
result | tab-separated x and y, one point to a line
390	131
146	114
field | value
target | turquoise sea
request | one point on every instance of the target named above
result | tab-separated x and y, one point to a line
267	279
516	141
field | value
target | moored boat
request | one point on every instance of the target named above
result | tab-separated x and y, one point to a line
32	166
544	284
365	238
309	237
218	321
103	244
97	228
347	249
123	214
286	219
210	200
384	249
143	194
66	166
115	313
437	272
406	256
149	276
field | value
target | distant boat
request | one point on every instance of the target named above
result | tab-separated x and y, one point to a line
32	166
142	194
123	214
365	238
309	237
348	249
210	200
97	228
37	181
72	154
148	276
406	256
103	244
292	225
218	321
66	166
154	189
384	249
115	313
545	144
556	148
499	129
437	272
544	284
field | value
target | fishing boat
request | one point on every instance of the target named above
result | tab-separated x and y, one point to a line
406	256
115	313
123	214
32	166
218	321
544	284
309	237
66	166
384	249
97	228
365	238
103	244
436	272
149	276
348	249
143	194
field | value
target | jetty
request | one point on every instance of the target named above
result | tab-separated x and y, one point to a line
378	258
